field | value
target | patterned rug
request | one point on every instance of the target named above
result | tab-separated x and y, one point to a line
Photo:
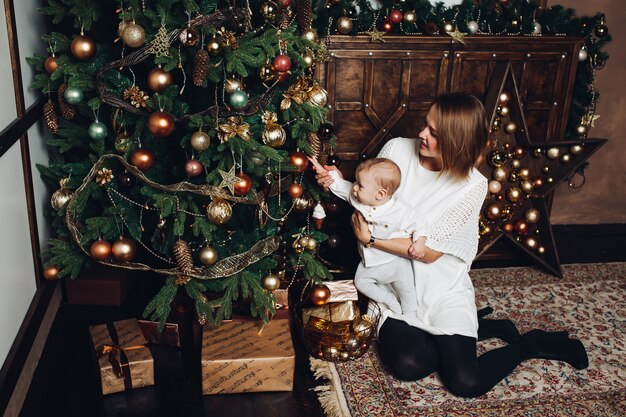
589	302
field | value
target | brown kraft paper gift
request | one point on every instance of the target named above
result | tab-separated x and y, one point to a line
124	360
236	358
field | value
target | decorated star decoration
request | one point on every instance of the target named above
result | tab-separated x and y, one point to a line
457	36
522	175
376	35
592	120
229	179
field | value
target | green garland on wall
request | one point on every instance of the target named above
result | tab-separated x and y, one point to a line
481	17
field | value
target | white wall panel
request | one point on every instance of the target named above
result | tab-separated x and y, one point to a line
30	26
17	276
37	136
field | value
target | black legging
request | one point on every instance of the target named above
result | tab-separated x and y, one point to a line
414	354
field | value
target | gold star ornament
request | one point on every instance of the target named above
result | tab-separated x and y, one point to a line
457	36
229	179
376	35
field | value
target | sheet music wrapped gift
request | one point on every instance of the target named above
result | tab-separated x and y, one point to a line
237	357
124	359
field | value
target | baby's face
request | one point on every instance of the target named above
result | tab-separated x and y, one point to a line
365	188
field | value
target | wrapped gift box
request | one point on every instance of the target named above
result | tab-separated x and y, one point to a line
124	359
343	290
99	285
237	357
335	312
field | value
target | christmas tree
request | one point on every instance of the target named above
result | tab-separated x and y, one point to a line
181	131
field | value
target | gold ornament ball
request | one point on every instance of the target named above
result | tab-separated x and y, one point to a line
133	36
448	27
344	25
538	182
302	204
503	110
514	194
304	241
271	282
274	135
516	164
310	35
526	186
513	176
267	72
100	250
508	227
565	158
524	173
541	250
581	129
500	174
318	96
319	295
299	160
233	84
50	64
208	255
484	229
553	153
121	26
219	211
510	128
410	16
549	180
494	186
143	159
504	97
312	245
545	169
214	46
531	242
576	149
51	273
497	158
297	247
309	59
161	124
200	141
159	80
330	353
269	10
124	249
60	198
83	47
493	211
532	215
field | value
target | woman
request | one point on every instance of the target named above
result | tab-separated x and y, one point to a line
441	181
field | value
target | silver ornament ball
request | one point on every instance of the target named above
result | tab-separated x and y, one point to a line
200	141
97	130
472	27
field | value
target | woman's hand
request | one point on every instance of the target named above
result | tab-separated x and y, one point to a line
359	226
322	176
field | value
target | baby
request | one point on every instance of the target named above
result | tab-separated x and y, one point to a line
377	180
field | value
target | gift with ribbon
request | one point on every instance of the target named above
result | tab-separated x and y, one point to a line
124	359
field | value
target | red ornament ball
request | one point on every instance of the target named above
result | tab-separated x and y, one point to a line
282	63
300	160
284	3
193	168
319	295
395	16
295	190
100	250
430	28
521	227
161	124
387	26
143	159
244	185
51	273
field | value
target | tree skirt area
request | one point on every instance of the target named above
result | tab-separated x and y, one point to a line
589	302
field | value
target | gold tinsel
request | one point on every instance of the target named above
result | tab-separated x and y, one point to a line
200	67
304	14
67	110
50	116
160	45
137	97
298	92
233	127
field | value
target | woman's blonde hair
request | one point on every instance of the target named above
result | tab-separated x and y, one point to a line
463	132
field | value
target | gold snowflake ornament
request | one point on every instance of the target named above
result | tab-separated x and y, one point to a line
137	97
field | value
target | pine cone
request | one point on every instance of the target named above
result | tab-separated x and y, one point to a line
51	117
304	14
182	254
68	111
315	143
200	67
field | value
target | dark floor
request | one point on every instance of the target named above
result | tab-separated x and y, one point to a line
66	383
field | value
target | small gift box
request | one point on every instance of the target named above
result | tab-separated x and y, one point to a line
335	312
124	360
343	290
245	356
